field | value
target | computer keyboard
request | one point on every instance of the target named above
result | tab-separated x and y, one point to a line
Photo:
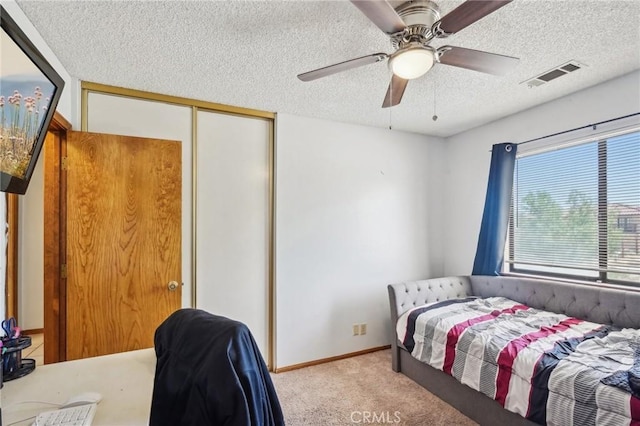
81	415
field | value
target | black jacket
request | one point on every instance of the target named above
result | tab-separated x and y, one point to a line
210	372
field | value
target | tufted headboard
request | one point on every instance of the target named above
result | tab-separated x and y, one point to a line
407	295
594	303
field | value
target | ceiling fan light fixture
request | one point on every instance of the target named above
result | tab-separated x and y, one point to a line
411	62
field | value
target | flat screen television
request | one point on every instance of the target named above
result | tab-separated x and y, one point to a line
29	92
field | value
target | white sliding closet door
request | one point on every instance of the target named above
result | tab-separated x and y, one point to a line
232	222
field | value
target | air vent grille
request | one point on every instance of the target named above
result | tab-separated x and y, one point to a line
551	75
554	73
570	67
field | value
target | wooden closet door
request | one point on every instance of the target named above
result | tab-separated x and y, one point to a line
123	241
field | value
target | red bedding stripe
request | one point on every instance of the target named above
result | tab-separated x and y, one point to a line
635	411
456	331
510	352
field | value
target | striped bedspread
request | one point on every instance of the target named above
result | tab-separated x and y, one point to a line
544	366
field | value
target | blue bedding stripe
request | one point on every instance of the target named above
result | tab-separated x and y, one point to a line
548	362
408	342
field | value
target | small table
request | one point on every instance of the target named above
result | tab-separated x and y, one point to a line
124	380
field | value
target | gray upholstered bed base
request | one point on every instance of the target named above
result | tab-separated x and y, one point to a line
589	302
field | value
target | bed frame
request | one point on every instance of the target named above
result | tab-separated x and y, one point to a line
594	303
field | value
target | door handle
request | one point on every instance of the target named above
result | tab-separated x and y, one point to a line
173	285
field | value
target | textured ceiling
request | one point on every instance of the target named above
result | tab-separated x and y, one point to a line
248	53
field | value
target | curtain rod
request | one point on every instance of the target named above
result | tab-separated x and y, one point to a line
594	125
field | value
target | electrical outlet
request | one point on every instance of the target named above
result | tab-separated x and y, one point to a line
363	329
356	329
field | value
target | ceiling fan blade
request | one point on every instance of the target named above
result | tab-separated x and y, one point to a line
476	60
395	91
468	13
342	66
381	13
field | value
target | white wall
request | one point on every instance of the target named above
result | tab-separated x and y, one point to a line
31	253
357	208
468	156
31	262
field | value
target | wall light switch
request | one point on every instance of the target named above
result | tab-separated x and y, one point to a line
356	329
363	329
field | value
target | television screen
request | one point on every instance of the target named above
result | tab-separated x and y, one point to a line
29	92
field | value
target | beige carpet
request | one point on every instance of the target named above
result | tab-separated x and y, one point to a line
359	390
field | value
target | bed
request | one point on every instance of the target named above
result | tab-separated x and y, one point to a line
597	312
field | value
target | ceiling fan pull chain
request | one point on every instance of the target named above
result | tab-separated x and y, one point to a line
435	116
390	97
390	109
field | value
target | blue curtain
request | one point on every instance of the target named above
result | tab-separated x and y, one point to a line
495	219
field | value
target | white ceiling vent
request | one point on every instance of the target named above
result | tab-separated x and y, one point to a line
554	73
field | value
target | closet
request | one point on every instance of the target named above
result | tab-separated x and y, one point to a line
227	195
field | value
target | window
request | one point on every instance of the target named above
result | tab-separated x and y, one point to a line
576	212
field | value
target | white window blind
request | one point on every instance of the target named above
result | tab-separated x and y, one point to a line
576	211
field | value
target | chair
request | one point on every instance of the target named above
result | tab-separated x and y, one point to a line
209	371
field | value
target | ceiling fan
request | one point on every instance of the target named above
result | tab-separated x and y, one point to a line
411	27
